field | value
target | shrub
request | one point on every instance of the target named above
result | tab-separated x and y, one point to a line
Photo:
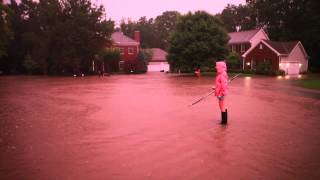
280	72
29	64
111	58
145	55
234	60
135	66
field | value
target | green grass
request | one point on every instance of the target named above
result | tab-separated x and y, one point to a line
311	84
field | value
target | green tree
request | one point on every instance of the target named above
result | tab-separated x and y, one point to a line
111	58
5	31
234	60
164	25
30	65
199	39
146	28
145	55
59	35
241	17
128	27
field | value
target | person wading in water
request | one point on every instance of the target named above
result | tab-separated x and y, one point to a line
221	87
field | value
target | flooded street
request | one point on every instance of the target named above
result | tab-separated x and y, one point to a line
135	127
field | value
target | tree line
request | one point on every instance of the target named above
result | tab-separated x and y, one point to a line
52	36
283	20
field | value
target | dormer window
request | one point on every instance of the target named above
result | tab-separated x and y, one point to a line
121	50
260	46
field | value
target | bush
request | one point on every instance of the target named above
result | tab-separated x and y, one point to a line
30	65
135	66
234	60
280	72
264	68
145	55
111	58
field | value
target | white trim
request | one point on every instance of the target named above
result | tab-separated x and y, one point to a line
264	33
303	50
261	41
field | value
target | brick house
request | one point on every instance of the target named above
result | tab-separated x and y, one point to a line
240	42
288	56
129	48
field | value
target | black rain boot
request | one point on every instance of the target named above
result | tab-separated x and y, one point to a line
224	116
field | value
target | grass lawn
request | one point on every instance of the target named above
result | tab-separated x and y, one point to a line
312	81
312	84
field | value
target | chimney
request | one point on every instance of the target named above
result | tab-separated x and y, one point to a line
136	36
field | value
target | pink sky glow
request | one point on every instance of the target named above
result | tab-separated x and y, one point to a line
134	9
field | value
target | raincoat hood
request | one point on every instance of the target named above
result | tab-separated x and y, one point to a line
221	67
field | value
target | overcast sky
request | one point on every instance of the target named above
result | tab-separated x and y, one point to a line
134	9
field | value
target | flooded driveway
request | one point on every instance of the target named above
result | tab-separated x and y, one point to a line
136	127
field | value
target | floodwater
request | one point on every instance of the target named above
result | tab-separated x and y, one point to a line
136	127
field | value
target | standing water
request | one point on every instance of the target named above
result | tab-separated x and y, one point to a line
141	127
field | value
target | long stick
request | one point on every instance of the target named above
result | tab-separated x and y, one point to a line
211	92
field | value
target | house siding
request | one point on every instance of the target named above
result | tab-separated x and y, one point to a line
237	47
258	37
297	56
260	55
126	56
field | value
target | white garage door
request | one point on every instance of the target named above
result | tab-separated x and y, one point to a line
158	67
293	68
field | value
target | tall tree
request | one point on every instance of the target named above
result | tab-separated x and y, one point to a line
164	25
241	17
59	35
5	31
199	39
146	28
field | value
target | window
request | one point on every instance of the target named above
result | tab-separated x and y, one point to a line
242	48
130	50
121	50
260	46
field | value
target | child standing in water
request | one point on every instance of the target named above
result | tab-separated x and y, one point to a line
221	86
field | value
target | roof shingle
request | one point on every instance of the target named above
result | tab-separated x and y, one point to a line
282	47
242	36
120	39
159	55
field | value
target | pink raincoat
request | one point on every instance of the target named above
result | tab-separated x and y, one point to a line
221	82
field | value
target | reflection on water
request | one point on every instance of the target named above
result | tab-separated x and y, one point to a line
141	127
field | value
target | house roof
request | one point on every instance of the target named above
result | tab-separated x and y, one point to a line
280	48
242	36
119	38
158	55
284	48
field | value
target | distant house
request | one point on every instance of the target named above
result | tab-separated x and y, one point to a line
129	48
240	42
288	56
158	61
